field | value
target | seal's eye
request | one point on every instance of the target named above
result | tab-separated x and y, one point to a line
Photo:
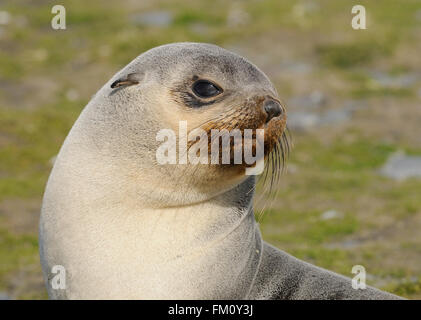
206	89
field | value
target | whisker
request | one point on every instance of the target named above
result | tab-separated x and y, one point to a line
276	164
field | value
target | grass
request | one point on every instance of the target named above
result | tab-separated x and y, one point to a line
342	176
354	54
309	228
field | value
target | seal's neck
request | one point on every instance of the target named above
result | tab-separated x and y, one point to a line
207	250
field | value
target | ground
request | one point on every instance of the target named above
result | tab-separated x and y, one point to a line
353	100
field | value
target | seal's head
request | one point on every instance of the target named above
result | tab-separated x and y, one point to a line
203	88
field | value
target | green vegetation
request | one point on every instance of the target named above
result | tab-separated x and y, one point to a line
17	251
347	55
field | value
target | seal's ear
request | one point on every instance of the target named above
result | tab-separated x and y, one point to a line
127	80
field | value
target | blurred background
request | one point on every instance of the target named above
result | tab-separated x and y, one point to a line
351	194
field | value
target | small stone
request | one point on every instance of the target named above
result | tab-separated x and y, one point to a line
294	67
418	15
237	16
104	51
4	296
346	244
199	28
292	168
40	54
153	18
401	81
353	105
21	21
301	120
52	160
302	12
315	99
335	116
301	9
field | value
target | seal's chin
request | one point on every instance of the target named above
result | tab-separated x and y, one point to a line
270	138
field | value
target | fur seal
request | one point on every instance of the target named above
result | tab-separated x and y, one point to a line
125	227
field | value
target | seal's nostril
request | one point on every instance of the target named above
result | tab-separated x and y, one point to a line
272	108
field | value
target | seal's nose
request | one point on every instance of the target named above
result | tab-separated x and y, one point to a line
272	108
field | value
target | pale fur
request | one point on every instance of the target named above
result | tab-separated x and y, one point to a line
125	227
